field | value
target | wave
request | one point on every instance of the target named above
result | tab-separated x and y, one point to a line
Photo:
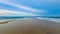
51	19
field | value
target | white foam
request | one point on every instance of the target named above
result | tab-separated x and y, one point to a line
50	19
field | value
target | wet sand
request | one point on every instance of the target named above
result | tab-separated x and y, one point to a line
30	26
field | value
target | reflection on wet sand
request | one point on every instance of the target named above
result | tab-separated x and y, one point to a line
5	22
29	26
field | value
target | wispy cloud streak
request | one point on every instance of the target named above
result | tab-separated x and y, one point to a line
19	6
9	12
27	9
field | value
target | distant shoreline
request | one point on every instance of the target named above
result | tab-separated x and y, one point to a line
9	20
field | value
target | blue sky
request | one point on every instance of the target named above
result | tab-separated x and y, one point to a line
29	7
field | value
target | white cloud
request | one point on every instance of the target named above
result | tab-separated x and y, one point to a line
21	6
24	7
9	12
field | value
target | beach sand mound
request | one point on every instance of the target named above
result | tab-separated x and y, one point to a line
30	26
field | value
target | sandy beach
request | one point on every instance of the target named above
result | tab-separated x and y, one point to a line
30	26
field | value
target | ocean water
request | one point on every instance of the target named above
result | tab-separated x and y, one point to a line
50	19
14	18
8	18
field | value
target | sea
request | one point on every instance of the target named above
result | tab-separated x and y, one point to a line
56	19
9	18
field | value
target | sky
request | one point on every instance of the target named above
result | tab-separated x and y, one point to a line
29	7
